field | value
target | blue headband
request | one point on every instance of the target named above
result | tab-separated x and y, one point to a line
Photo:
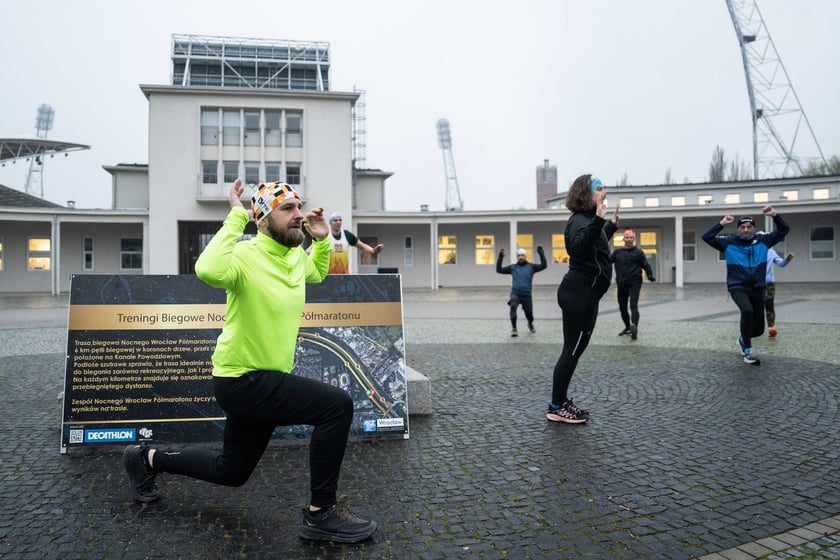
594	183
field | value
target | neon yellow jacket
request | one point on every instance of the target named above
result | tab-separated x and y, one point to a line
265	285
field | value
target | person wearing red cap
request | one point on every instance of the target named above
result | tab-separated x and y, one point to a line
629	262
746	270
265	279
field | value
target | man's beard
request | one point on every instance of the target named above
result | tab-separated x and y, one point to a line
290	237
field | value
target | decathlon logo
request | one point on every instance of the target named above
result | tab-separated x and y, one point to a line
109	435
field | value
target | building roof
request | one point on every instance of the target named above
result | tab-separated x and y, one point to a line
17	199
16	148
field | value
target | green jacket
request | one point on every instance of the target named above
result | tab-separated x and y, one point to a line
265	285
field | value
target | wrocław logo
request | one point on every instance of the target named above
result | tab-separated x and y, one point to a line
110	435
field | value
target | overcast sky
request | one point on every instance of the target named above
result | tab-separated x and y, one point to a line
603	86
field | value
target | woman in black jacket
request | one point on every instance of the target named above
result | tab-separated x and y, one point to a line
590	272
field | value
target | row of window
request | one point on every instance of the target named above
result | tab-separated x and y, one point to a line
39	253
822	246
731	198
251	127
254	172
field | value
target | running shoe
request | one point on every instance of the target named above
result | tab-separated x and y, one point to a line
531	328
625	331
751	358
335	524
140	477
513	332
634	331
566	414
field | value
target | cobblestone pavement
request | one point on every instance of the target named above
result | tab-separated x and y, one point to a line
689	453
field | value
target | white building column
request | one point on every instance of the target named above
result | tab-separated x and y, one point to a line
678	251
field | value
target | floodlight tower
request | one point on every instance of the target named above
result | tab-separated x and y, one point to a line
783	140
35	178
453	196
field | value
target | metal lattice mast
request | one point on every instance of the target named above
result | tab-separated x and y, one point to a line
359	130
453	196
783	140
35	177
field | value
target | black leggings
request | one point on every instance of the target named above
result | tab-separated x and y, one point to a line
254	404
770	303
579	303
527	307
629	294
751	304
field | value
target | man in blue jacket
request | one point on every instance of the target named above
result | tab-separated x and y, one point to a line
746	269
522	273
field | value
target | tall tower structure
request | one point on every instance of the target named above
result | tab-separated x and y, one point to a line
453	195
359	131
546	183
35	177
783	140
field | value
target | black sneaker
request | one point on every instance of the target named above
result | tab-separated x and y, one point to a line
336	524
531	328
625	331
568	413
634	331
513	332
569	405
140	477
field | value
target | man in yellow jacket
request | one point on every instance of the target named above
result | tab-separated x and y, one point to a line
265	279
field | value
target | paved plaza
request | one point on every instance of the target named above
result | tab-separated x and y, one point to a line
690	453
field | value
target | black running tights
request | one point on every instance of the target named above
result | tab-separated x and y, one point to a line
751	304
254	404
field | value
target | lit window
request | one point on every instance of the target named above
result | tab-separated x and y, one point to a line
689	246
526	241
447	249
822	243
131	253
1	253
625	203
558	248
790	195
485	249
820	194
209	127
732	198
704	199
677	201
651	201
294	130
38	256
761	197
87	253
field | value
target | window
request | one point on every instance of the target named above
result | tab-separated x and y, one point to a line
293	173
252	173
231	171
87	253
1	253
822	242
651	201
38	256
209	127
485	249
524	241
821	194
272	172
408	251
677	201
732	198
762	197
272	128
558	248
704	199
366	258
689	246
790	195
230	131
131	253
625	203
294	132
209	172
447	249
252	128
